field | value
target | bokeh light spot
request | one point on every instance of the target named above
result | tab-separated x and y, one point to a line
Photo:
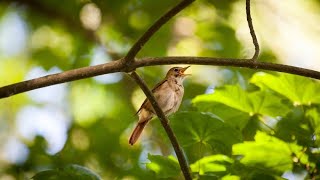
90	16
139	20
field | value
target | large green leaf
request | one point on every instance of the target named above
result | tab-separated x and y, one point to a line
232	96
70	172
267	154
164	167
204	133
234	117
299	90
258	102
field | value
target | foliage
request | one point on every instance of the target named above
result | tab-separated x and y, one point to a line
232	124
69	172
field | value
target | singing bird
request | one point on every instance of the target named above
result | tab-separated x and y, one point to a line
168	93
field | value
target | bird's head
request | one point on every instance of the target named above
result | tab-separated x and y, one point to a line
177	72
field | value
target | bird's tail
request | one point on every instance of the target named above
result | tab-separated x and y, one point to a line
137	132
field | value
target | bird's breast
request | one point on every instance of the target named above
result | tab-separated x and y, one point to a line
169	97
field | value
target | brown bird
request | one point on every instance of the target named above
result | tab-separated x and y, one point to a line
168	93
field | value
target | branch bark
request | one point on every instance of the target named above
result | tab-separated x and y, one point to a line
118	66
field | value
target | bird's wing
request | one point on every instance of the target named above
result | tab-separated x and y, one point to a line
153	90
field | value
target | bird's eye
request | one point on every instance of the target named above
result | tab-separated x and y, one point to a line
176	69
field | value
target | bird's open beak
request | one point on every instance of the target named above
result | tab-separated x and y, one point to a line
183	70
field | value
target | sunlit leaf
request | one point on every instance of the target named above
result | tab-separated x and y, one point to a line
231	177
232	96
258	102
211	164
266	153
164	167
299	90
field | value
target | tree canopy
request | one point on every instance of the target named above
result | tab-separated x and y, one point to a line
233	123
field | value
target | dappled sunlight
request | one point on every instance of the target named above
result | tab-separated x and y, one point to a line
293	26
137	98
13	34
179	28
49	122
80	139
139	20
186	47
89	103
99	56
53	94
47	37
14	151
90	16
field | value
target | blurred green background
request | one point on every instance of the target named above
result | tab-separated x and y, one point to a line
233	123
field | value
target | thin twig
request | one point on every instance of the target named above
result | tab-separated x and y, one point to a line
164	121
118	66
253	35
153	29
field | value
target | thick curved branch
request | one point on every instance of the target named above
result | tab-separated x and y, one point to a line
118	66
153	29
58	78
253	35
228	62
164	121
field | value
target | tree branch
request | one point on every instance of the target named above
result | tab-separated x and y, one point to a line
164	121
118	66
58	78
153	29
253	35
246	63
129	59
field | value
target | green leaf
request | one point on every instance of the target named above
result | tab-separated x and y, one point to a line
70	172
232	96
313	116
211	164
294	127
266	153
164	167
233	117
299	90
231	177
258	102
204	132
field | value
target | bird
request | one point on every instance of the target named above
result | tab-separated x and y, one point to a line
168	93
